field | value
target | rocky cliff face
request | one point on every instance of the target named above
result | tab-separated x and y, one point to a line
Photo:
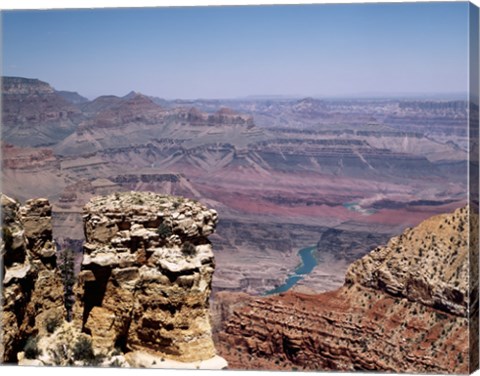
24	158
402	309
427	264
223	116
32	290
25	86
146	275
115	112
33	114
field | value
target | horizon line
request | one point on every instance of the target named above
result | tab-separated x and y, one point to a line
445	95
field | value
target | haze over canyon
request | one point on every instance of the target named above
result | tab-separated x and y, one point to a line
303	188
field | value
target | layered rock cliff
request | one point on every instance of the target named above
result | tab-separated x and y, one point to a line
427	264
402	309
142	296
146	276
33	114
32	289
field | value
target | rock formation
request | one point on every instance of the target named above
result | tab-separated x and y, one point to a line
32	289
401	309
33	114
305	173
427	264
146	275
24	158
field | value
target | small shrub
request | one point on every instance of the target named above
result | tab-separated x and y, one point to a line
117	351
164	231
31	348
83	350
52	323
188	249
440	316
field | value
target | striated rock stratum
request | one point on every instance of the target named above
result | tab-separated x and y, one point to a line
32	289
146	275
403	308
142	295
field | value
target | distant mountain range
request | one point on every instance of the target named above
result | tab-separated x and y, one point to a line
284	174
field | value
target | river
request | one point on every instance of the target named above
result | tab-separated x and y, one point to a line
306	266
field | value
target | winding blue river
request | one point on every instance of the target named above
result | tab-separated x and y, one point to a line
306	266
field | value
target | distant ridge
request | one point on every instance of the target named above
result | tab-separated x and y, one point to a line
72	96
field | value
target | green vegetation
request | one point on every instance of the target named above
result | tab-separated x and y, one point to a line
83	350
188	249
115	363
440	316
164	230
52	323
31	348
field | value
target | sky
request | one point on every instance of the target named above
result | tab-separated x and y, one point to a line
318	50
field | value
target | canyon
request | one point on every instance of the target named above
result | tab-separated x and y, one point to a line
403	308
186	219
314	180
142	297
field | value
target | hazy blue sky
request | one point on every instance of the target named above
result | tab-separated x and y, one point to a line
216	52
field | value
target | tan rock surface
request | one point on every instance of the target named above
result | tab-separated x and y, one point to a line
32	289
427	264
146	275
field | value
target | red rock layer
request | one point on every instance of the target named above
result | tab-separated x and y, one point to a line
401	309
353	328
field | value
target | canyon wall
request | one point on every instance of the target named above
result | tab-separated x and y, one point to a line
33	114
403	308
32	289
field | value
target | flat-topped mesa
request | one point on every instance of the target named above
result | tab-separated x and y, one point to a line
427	264
146	275
34	114
224	116
25	86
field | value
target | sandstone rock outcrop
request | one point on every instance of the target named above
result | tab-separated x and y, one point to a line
402	309
427	264
146	274
32	289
